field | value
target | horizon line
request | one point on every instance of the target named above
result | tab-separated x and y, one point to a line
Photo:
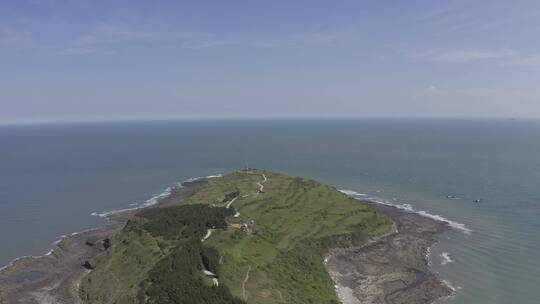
141	119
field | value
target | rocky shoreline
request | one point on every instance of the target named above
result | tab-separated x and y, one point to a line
54	278
392	269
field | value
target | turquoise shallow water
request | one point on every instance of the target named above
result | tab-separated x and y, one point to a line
52	177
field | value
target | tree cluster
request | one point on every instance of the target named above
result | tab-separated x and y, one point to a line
178	278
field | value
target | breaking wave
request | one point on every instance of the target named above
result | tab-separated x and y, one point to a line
154	199
447	258
408	208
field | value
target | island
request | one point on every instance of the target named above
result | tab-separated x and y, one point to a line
251	236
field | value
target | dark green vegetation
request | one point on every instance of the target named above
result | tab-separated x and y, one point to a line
177	278
164	259
184	222
273	252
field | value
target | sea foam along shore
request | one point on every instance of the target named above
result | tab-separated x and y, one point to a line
49	252
151	201
407	207
446	258
154	199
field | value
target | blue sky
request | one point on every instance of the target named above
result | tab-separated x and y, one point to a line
75	60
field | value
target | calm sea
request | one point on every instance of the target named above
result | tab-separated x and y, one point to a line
52	177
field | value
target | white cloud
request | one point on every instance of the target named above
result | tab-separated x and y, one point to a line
464	56
204	44
477	102
528	61
82	51
501	57
431	90
456	93
14	38
105	38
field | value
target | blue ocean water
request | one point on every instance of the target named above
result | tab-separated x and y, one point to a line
52	177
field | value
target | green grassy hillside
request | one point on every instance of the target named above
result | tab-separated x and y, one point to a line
296	221
276	257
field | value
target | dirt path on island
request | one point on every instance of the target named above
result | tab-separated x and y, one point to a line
208	234
231	201
244	295
260	184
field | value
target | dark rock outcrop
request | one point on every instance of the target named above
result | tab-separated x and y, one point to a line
230	196
392	269
87	265
106	244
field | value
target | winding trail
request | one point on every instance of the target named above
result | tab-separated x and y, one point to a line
212	275
208	234
261	186
280	295
207	272
231	201
244	283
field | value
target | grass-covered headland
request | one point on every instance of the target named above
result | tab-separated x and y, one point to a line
247	237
